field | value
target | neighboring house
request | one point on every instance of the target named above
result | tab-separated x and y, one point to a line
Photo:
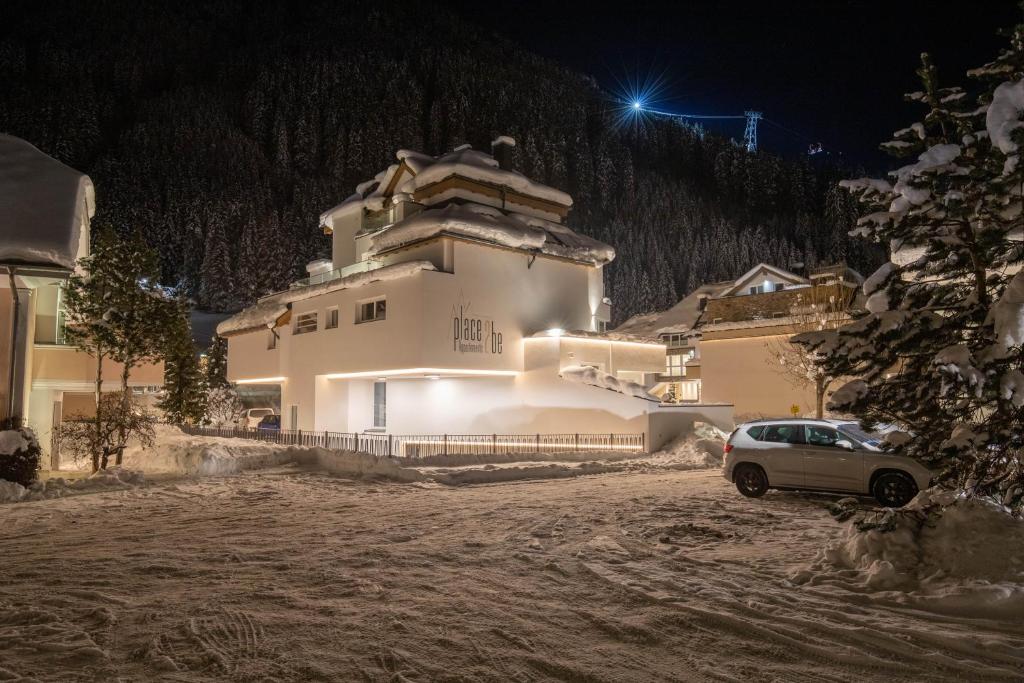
45	208
724	333
456	302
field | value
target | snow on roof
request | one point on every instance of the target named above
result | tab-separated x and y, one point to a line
268	309
738	283
584	374
43	206
680	318
487	223
426	170
612	335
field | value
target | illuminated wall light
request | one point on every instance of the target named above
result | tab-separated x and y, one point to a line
433	377
602	341
407	372
555	332
261	380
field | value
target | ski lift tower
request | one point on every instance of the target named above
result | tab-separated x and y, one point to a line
750	134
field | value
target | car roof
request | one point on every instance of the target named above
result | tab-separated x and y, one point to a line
790	420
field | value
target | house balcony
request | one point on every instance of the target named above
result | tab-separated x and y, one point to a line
338	273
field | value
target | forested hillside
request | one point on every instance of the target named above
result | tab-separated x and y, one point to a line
222	130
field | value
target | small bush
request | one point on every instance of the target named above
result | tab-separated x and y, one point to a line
19	453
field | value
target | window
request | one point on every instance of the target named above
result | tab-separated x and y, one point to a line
331	322
372	310
756	431
305	322
380	404
672	340
783	433
674	365
779	286
602	326
271	340
702	303
821	436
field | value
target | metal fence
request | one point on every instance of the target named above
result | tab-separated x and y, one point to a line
420	445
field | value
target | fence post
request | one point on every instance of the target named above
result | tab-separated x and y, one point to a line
494	443
576	442
611	441
389	445
446	444
537	447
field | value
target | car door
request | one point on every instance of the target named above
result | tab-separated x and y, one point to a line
781	446
828	466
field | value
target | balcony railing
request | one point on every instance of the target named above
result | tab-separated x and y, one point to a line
421	445
338	273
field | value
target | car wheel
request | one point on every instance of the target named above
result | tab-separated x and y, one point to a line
751	481
894	489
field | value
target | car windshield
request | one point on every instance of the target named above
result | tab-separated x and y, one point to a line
260	412
853	430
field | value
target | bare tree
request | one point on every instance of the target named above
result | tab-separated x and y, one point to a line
820	308
97	440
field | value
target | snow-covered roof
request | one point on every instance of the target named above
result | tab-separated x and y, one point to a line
424	170
739	283
43	206
269	309
611	335
584	374
680	318
489	224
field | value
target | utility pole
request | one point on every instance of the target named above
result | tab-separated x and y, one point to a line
750	134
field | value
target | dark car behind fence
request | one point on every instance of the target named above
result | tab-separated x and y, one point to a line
420	445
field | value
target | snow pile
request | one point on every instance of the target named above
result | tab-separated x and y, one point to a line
490	474
44	205
175	452
12	441
584	374
355	465
270	308
966	558
517	231
703	448
110	478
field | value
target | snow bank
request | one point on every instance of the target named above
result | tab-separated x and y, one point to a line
355	465
490	474
584	374
44	205
175	452
110	478
965	559
703	448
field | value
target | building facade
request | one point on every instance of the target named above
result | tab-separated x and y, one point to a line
723	341
45	209
456	302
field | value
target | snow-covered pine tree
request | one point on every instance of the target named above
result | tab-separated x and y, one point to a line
938	353
184	392
140	315
88	304
217	363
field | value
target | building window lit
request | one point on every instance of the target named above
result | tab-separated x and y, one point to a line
380	404
306	322
332	319
372	310
674	365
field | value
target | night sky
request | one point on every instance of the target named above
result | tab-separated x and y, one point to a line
833	72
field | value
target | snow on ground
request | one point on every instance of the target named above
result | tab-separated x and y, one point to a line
114	477
291	574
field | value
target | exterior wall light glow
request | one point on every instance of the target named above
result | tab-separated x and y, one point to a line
261	380
421	372
555	332
433	377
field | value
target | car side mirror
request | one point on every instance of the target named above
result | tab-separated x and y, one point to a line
843	443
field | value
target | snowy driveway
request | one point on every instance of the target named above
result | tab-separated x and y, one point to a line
291	575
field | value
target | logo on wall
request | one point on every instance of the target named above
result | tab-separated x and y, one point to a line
473	333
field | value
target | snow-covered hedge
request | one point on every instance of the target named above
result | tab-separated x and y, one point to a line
19	454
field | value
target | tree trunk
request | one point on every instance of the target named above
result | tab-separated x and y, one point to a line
97	393
819	397
125	407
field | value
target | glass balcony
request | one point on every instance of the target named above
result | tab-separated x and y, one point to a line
338	273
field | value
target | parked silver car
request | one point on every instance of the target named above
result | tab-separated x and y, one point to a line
819	455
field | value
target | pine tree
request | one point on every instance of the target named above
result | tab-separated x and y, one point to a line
217	363
184	393
939	352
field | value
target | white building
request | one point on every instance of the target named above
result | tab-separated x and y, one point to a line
456	302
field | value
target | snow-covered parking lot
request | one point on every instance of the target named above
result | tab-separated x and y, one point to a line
290	574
